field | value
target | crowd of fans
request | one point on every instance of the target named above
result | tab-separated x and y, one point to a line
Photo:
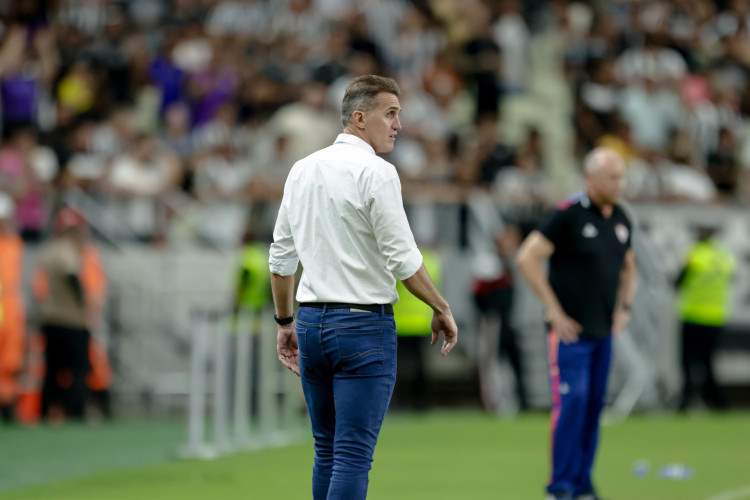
182	115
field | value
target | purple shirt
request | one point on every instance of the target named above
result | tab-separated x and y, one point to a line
169	78
18	94
218	88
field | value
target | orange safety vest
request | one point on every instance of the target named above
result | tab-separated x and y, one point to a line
13	322
94	282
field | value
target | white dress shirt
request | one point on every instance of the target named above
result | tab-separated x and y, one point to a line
342	216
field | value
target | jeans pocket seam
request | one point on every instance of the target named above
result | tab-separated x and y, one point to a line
377	352
364	354
299	344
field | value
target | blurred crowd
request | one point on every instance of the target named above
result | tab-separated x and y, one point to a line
167	120
184	116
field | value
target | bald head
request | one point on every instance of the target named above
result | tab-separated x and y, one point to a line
605	175
600	158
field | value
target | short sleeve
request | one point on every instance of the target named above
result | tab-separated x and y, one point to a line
553	226
629	225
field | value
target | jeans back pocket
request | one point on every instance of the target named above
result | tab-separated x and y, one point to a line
301	340
361	350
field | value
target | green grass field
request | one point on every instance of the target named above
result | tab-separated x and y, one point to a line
442	455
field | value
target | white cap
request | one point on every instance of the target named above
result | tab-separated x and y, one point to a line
7	206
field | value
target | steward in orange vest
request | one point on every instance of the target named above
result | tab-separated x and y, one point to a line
12	312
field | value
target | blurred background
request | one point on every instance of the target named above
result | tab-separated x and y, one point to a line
168	128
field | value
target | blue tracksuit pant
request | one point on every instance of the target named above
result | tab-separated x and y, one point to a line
578	377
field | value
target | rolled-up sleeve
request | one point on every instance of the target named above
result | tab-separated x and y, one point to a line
282	256
392	232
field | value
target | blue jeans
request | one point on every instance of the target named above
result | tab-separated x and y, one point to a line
348	370
578	376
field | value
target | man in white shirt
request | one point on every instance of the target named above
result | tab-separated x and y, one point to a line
342	217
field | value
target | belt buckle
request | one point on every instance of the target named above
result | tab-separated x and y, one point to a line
355	310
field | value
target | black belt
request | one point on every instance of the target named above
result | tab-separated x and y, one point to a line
376	308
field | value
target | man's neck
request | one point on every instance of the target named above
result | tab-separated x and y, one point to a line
356	133
605	208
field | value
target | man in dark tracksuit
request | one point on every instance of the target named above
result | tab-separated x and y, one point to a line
587	299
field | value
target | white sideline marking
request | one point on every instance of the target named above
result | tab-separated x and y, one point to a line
732	495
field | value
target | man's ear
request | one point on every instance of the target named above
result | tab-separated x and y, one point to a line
358	119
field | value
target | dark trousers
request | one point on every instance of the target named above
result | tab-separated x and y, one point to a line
6	413
103	401
578	379
698	347
348	369
411	384
508	347
67	359
500	302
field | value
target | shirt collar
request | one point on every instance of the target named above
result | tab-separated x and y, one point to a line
354	141
593	207
586	202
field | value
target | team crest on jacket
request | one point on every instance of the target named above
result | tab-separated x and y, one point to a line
622	232
589	231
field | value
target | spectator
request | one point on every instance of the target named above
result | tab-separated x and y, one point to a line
493	154
299	18
140	179
412	53
307	123
112	137
653	61
26	73
221	179
645	177
247	19
358	63
85	168
78	88
684	179
721	164
524	183
511	34
168	77
651	111
597	104
707	117
19	178
176	134
213	86
221	129
108	49
620	139
479	63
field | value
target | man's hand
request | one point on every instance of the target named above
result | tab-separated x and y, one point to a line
286	346
620	319
566	328
446	324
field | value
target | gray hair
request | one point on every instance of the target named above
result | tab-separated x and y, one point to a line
362	93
